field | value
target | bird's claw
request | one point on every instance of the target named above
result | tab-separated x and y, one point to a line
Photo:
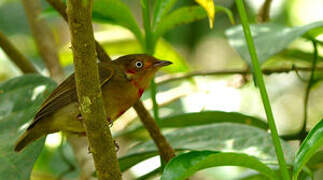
110	122
116	145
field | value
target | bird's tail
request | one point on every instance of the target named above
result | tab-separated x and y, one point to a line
27	137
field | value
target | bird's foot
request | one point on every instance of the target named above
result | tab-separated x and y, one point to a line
116	145
110	122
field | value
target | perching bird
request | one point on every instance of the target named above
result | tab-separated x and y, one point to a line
122	83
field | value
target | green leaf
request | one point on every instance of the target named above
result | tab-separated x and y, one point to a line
269	39
161	8
209	117
185	165
166	51
217	137
131	46
312	143
116	12
19	100
178	17
202	118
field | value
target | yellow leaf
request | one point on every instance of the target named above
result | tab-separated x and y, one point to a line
208	5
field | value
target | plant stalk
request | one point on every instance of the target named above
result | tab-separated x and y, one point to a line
260	81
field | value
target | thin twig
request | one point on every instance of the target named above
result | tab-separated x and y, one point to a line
180	76
165	150
44	39
16	56
264	12
308	90
90	99
60	7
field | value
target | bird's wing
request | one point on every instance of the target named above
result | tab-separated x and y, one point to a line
65	94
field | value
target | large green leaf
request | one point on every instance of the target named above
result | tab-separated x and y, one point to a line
19	100
183	15
309	147
161	8
116	12
201	118
185	165
269	39
217	137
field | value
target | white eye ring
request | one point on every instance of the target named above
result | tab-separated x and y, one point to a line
139	64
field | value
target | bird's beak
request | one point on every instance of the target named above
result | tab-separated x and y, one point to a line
161	63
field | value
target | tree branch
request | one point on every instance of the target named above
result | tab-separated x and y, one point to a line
44	39
79	15
180	76
60	7
16	57
264	12
165	150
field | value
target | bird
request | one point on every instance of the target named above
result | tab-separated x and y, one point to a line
122	83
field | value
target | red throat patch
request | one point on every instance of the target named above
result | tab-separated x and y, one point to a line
120	113
140	92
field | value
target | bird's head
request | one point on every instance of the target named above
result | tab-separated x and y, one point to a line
140	68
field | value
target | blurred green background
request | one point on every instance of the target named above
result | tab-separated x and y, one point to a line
193	47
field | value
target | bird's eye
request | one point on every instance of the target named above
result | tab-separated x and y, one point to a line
139	64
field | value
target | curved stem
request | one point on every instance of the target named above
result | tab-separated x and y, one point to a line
308	90
262	88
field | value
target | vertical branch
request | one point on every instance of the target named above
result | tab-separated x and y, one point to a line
262	88
264	12
165	150
60	7
44	39
79	15
16	57
308	90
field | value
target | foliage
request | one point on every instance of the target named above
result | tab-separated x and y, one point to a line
202	139
187	164
19	100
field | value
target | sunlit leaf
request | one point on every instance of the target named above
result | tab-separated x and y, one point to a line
269	39
183	15
161	8
185	165
105	11
201	118
216	137
311	144
208	5
19	100
131	46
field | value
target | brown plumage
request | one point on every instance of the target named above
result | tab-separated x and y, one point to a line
122	82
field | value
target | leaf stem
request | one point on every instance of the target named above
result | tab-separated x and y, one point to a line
263	91
149	48
308	90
